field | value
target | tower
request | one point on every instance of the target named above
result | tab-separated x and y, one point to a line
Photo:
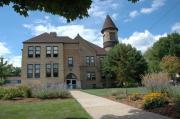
110	34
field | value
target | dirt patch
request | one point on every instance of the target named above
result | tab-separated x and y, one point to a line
168	110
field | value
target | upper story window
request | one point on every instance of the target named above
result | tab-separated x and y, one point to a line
55	69
70	61
112	35
37	70
48	70
30	51
87	60
90	60
55	51
48	51
37	51
91	76
29	71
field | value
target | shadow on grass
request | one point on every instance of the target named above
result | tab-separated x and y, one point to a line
136	114
76	118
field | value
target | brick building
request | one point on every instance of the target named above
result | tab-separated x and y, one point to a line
51	60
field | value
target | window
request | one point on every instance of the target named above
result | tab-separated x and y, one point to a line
29	71
30	51
37	51
55	51
37	70
112	35
91	76
48	51
55	70
87	60
48	70
92	60
70	61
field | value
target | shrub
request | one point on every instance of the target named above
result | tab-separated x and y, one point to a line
26	91
2	81
157	82
135	97
154	100
51	93
2	93
11	93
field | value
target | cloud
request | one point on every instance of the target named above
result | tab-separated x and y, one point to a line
142	40
133	14
92	35
15	61
3	49
156	4
176	27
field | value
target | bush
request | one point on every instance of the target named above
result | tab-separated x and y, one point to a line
2	81
52	93
154	100
157	82
26	91
11	93
135	97
2	93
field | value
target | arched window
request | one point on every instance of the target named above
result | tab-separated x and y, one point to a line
70	76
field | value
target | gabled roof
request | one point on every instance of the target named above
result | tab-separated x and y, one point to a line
108	24
50	38
99	50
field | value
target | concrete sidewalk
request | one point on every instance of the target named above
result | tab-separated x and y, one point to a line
101	108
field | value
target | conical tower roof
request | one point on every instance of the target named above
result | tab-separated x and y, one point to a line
108	24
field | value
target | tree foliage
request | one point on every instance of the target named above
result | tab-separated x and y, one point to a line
69	9
170	64
125	63
169	45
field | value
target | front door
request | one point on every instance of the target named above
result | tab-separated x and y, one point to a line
71	83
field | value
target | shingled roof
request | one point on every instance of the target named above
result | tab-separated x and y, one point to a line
108	24
99	50
52	38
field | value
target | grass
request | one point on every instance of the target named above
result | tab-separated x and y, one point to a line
48	109
108	91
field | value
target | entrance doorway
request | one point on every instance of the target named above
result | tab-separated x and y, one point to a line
71	81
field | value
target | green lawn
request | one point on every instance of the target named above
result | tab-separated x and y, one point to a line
108	91
49	109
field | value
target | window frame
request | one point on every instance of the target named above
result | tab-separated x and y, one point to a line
88	60
37	55
37	75
70	64
48	69
57	73
91	76
92	63
47	54
55	55
29	75
31	55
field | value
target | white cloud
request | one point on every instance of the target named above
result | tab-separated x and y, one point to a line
3	49
176	27
156	4
92	35
133	14
15	61
142	40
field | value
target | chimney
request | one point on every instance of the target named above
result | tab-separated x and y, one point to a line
53	34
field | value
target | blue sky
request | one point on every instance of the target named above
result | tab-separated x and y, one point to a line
139	24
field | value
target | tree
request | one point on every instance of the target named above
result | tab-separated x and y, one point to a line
126	63
16	71
169	45
5	70
170	64
70	9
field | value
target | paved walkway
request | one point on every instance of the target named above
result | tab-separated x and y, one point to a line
101	108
